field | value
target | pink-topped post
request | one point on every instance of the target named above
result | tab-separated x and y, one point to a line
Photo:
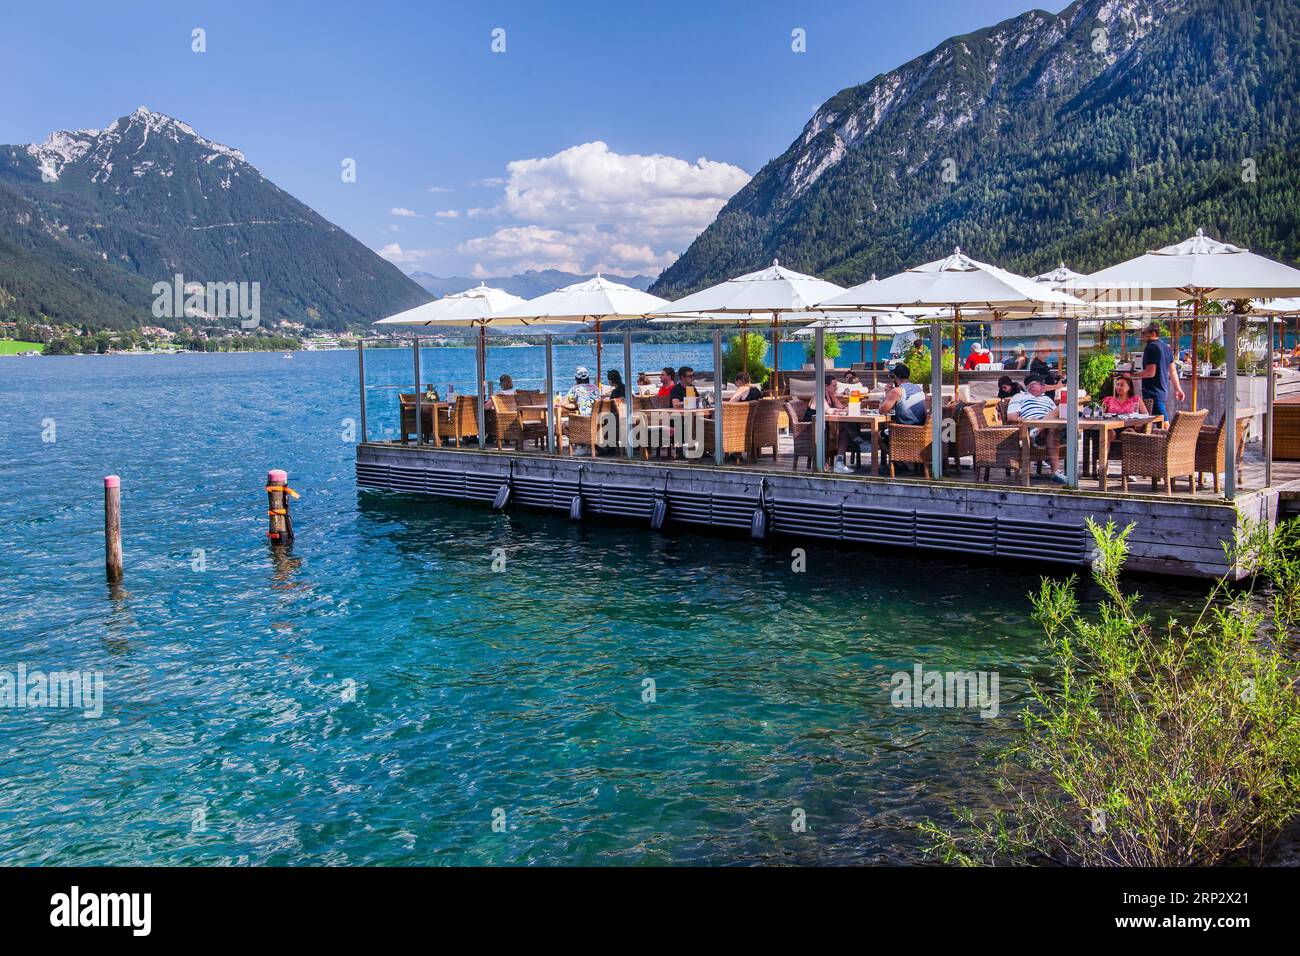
277	507
113	528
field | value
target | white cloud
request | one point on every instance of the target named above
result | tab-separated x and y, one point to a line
447	214
490	182
396	254
441	189
589	208
408	213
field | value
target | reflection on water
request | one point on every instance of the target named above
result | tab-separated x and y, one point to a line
375	693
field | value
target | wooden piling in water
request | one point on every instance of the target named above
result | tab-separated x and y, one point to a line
280	529
113	528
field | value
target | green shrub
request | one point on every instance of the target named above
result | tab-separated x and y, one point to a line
830	347
1096	372
733	357
1159	745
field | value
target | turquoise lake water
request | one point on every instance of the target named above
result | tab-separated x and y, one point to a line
228	732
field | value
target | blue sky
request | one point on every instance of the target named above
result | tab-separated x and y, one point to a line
434	118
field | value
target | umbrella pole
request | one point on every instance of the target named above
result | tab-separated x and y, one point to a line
598	378
1196	316
956	349
875	349
776	360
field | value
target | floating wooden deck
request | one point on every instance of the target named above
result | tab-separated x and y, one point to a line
1171	535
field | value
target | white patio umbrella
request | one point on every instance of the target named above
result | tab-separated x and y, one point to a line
478	308
594	300
889	322
775	291
954	282
1197	268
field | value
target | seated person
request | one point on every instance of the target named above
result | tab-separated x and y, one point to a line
582	396
685	387
1017	361
1033	405
1123	401
507	386
1008	387
904	398
850	378
667	379
1039	366
979	355
746	391
616	387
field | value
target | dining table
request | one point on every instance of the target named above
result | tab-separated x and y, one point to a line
1104	429
872	420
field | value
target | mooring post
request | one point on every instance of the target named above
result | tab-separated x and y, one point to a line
277	507
551	433
361	371
113	528
718	456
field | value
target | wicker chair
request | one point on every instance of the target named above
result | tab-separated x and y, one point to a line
585	430
407	403
657	433
1212	445
803	433
737	430
511	427
993	445
767	413
910	445
964	446
464	418
1164	455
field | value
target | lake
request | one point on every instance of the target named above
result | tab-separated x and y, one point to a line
382	695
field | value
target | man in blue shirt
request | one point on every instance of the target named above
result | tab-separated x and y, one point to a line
1159	376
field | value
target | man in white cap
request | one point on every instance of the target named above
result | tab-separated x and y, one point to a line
979	355
582	396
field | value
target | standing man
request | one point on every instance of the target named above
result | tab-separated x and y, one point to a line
1159	375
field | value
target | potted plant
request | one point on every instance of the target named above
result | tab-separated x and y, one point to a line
830	349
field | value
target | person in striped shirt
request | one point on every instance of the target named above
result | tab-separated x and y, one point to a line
1033	405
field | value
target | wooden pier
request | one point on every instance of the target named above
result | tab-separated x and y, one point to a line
1176	535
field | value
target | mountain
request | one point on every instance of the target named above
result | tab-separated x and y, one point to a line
529	284
1086	137
91	219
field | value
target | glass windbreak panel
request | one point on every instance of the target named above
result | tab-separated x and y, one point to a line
390	388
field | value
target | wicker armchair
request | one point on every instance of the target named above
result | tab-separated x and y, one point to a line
767	413
910	445
992	445
964	446
1164	455
1212	445
803	433
585	430
737	430
464	418
407	402
511	427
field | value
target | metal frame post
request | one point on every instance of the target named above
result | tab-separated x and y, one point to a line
819	396
552	437
419	413
1072	402
627	393
1270	392
361	372
718	456
1230	408
481	365
936	400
